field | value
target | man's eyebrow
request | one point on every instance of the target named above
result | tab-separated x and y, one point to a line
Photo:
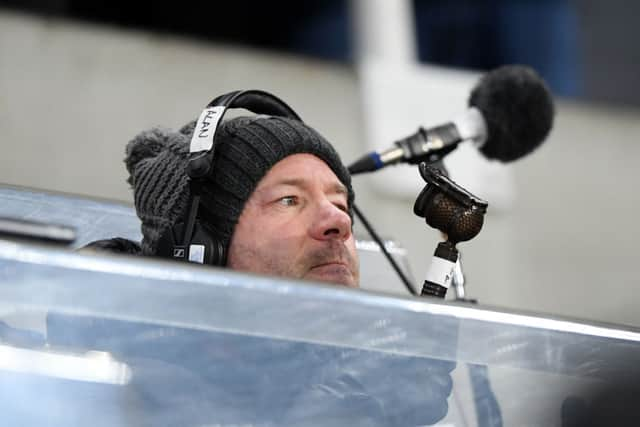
337	188
296	182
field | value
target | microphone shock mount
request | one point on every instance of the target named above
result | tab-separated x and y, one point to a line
455	212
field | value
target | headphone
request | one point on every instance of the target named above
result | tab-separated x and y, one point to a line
189	240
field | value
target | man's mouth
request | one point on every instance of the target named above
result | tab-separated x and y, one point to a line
333	271
328	263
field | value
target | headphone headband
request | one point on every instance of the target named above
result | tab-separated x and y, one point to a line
257	101
202	141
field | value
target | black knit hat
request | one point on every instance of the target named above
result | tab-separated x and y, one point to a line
246	148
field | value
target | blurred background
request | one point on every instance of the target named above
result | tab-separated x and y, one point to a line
79	79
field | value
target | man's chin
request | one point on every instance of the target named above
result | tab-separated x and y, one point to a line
336	274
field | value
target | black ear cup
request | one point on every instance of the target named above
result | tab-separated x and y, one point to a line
201	247
214	252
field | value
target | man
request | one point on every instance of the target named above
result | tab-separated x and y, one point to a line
280	201
279	198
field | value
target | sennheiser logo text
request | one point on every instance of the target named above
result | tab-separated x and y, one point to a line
178	253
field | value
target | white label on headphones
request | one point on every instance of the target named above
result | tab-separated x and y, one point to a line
440	271
196	253
205	130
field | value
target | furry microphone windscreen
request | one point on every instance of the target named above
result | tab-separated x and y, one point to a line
518	109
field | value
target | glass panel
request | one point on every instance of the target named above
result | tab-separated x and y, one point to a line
89	339
143	341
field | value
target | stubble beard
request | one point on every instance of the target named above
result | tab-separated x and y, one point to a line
274	263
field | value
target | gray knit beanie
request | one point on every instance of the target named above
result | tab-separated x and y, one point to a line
246	148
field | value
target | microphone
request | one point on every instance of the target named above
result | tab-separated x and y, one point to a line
510	114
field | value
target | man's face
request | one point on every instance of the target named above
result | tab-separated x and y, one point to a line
295	224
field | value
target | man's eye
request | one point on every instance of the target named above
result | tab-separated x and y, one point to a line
342	207
288	201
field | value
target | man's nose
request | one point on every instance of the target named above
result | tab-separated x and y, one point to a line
331	222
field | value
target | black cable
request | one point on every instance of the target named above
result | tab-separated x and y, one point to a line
380	243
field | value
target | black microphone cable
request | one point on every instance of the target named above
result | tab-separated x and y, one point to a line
376	238
386	253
